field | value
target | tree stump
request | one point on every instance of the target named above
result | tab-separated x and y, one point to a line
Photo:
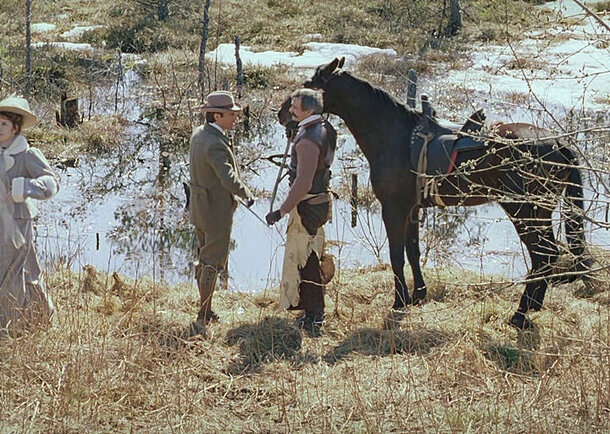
68	115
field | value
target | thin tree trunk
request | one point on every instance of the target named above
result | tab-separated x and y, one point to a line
28	46
455	18
439	31
240	72
163	10
218	20
204	41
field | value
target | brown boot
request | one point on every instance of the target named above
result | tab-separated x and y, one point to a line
206	281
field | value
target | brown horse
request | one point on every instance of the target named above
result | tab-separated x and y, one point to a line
526	177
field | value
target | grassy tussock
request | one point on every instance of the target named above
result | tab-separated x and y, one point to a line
123	355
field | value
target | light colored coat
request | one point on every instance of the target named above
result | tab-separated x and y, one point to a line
215	179
27	176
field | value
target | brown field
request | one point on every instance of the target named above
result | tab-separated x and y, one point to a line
121	356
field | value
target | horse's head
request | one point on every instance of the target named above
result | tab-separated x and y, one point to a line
318	81
324	73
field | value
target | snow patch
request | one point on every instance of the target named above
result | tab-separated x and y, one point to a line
572	74
70	46
42	27
317	53
78	31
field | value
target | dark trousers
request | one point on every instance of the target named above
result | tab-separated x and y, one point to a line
311	290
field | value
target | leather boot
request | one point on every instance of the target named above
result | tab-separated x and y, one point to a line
311	322
206	281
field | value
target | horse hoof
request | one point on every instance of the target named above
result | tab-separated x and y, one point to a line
399	307
419	295
520	322
402	302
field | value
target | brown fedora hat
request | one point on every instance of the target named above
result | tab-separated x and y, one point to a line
19	106
220	101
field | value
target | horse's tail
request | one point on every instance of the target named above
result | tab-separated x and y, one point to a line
574	213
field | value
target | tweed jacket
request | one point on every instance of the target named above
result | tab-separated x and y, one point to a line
28	177
214	179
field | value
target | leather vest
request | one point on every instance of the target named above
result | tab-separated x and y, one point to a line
322	133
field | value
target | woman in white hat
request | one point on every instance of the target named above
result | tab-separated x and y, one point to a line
25	175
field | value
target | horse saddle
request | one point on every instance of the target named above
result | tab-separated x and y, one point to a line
434	148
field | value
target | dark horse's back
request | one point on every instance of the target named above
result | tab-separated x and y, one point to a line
523	175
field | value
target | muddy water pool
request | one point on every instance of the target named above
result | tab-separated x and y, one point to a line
123	213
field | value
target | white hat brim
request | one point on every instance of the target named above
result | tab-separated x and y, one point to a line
29	119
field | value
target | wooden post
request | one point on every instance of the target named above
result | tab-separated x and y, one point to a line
412	89
119	78
354	199
90	100
240	72
246	122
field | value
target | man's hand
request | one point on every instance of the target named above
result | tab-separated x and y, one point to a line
273	217
249	202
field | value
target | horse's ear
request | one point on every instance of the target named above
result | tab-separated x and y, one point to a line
330	68
341	62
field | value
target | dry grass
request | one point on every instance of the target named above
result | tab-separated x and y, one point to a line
602	6
122	356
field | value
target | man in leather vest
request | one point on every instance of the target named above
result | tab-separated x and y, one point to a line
215	181
309	205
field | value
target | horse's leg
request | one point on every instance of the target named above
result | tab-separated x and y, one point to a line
534	226
413	252
394	219
548	253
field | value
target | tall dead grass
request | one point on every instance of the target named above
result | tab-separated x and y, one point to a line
122	357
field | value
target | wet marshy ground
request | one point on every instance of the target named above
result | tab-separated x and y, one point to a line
124	211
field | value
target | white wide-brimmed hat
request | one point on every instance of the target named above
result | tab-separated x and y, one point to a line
17	105
221	101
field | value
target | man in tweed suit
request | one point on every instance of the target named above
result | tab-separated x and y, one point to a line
215	181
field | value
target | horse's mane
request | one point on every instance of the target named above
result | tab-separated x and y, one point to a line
381	97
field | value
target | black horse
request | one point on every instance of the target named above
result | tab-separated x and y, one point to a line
526	177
